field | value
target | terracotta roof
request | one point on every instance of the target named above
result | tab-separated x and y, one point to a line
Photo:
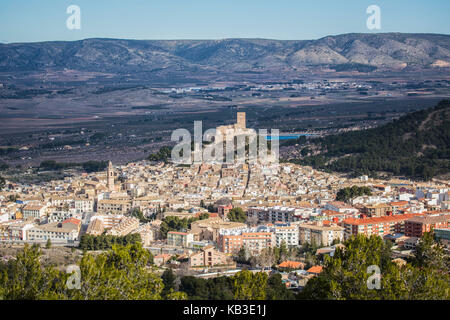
399	203
72	220
375	220
340	204
315	269
430	219
291	264
176	232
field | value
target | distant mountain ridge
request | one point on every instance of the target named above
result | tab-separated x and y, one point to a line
386	51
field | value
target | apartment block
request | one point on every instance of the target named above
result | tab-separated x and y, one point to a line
320	234
33	210
417	226
124	227
65	231
252	239
378	226
179	239
113	206
289	234
274	214
207	257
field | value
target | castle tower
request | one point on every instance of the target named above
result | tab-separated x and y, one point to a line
110	177
241	120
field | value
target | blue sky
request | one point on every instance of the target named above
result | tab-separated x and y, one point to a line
43	20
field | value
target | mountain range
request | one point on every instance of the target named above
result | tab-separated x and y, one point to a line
347	52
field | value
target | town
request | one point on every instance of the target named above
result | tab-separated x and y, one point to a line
209	220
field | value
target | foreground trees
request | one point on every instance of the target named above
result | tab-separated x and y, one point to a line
244	285
346	275
26	279
124	273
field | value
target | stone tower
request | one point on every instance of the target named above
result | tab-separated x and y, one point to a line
110	177
241	120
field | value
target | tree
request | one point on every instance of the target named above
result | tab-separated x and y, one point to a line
242	256
349	193
276	289
237	215
284	252
94	166
176	295
168	278
48	245
105	241
249	286
345	275
122	273
26	279
2	182
195	288
136	212
13	197
164	154
172	223
429	254
265	259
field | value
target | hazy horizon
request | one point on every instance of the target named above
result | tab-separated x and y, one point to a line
38	21
232	38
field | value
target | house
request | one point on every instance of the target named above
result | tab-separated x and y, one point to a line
207	257
315	270
161	259
34	210
291	265
179	239
66	231
320	234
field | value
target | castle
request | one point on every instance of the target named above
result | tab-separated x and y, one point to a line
238	128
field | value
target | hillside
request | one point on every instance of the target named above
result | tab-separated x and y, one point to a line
360	52
416	145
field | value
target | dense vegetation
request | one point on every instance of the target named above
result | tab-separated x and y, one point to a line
122	273
127	273
172	223
164	154
349	193
88	166
103	242
237	215
2	182
353	67
346	275
245	285
416	145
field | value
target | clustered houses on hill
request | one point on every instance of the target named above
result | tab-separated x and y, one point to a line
286	206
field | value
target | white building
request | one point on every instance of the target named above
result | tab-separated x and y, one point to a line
34	210
84	205
66	231
287	234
